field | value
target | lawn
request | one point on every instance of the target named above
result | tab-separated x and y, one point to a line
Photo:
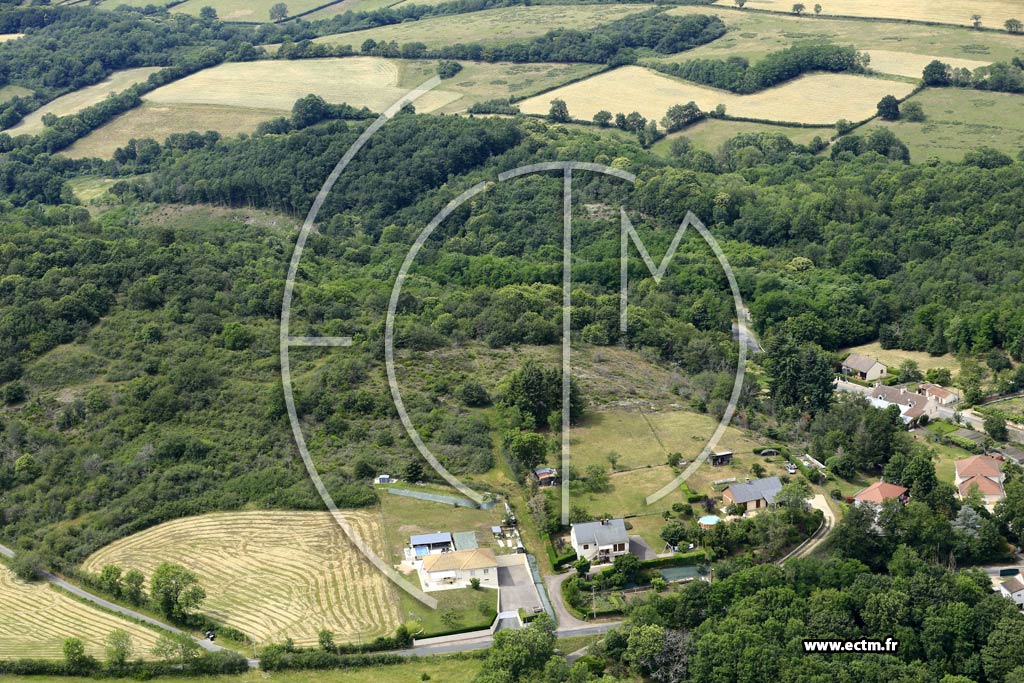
35	619
271	574
755	34
444	669
710	134
946	456
815	99
993	12
643	439
402	517
474	609
894	357
82	98
491	27
959	120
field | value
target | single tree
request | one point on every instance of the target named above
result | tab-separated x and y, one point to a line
603	118
176	590
75	658
1014	25
131	586
912	111
976	20
278	11
208	14
817	9
740	3
559	112
799	8
110	579
889	108
119	647
326	640
936	74
995	426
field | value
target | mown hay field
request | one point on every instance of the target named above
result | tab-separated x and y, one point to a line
959	120
490	27
361	6
993	12
815	99
227	10
710	134
359	81
35	619
911	64
157	121
272	574
4	37
82	98
754	34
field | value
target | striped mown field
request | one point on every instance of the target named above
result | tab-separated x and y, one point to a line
272	575
35	619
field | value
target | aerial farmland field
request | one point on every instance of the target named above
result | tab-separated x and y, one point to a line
272	575
993	12
80	99
815	99
35	619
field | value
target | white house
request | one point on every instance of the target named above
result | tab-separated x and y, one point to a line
912	406
943	397
864	367
600	541
457	568
1013	588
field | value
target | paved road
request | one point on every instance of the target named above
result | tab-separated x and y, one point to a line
113	607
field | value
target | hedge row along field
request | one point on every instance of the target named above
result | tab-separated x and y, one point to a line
272	575
993	12
36	619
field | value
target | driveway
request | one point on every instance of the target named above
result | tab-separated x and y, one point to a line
565	619
517	589
819	502
639	547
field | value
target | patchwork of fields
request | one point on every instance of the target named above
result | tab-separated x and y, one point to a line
815	99
993	12
754	34
36	619
489	27
272	575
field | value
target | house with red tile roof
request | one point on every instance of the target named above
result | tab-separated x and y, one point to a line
981	472
878	493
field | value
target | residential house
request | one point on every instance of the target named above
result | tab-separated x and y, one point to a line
546	476
984	473
912	406
457	568
943	397
430	544
382	479
600	541
863	367
878	493
753	495
1013	588
720	458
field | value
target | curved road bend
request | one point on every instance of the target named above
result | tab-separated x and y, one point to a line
113	607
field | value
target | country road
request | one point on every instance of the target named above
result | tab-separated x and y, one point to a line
118	609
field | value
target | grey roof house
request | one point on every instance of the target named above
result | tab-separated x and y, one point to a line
600	541
756	494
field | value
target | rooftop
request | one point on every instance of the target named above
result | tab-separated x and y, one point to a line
978	465
606	532
754	490
475	558
879	492
860	362
430	539
1013	585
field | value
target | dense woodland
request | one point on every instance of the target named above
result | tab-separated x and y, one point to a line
738	75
